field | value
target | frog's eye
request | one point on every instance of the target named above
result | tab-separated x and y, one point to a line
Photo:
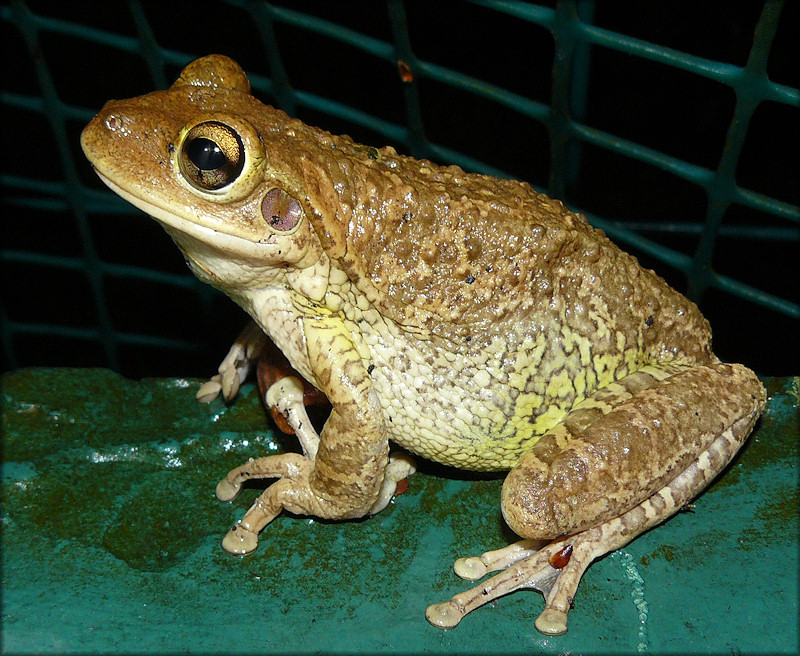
212	156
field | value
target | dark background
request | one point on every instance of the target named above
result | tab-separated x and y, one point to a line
183	329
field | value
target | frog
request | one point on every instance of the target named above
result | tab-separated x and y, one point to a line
467	319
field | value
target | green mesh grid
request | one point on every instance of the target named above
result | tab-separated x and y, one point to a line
558	94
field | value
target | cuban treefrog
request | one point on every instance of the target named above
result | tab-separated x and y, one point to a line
466	318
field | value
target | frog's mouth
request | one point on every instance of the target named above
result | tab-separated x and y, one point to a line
231	245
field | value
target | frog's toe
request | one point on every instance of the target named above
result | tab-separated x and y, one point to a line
445	615
225	383
209	390
400	467
227	491
552	621
267	467
476	567
240	541
470	569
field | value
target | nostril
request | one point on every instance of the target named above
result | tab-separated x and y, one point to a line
117	123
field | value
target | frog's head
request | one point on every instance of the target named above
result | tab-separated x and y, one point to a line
194	158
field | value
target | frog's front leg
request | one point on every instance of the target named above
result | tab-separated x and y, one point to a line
345	479
621	462
287	399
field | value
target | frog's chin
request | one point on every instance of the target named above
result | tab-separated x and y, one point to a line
232	245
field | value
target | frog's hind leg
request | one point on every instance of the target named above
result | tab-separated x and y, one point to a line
581	476
236	365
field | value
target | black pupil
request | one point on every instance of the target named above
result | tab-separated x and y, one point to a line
205	154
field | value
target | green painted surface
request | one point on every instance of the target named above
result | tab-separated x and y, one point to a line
111	537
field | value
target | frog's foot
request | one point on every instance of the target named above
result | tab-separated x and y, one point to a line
294	493
291	491
557	568
400	467
234	368
523	567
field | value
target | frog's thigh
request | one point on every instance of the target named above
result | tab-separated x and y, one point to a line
618	448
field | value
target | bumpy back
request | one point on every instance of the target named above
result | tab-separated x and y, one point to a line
432	244
462	255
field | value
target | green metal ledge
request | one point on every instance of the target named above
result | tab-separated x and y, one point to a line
111	536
